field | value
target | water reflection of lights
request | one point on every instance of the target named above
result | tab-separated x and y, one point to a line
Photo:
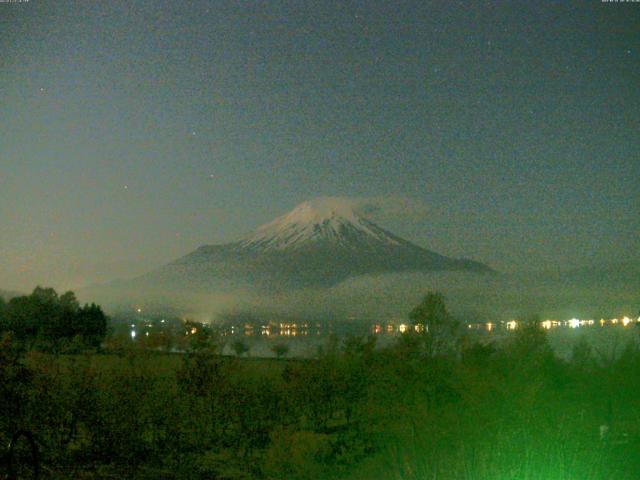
551	324
497	326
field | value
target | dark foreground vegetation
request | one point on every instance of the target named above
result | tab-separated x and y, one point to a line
432	406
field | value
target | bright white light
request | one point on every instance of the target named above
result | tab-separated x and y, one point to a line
139	310
546	324
133	334
574	323
402	328
512	325
489	326
626	321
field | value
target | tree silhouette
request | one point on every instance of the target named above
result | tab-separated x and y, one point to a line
280	350
240	347
431	311
441	330
50	322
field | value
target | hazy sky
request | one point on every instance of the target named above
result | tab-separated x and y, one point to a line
133	132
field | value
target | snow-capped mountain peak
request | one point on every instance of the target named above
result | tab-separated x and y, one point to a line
321	242
321	219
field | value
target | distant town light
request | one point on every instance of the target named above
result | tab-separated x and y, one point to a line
512	325
626	321
133	334
574	323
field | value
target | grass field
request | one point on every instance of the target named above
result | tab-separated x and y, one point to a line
355	412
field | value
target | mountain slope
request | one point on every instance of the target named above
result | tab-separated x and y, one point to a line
320	243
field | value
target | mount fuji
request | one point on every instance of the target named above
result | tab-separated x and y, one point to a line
319	243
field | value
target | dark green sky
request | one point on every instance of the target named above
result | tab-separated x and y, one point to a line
132	132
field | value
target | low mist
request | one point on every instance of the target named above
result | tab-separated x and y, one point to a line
471	297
